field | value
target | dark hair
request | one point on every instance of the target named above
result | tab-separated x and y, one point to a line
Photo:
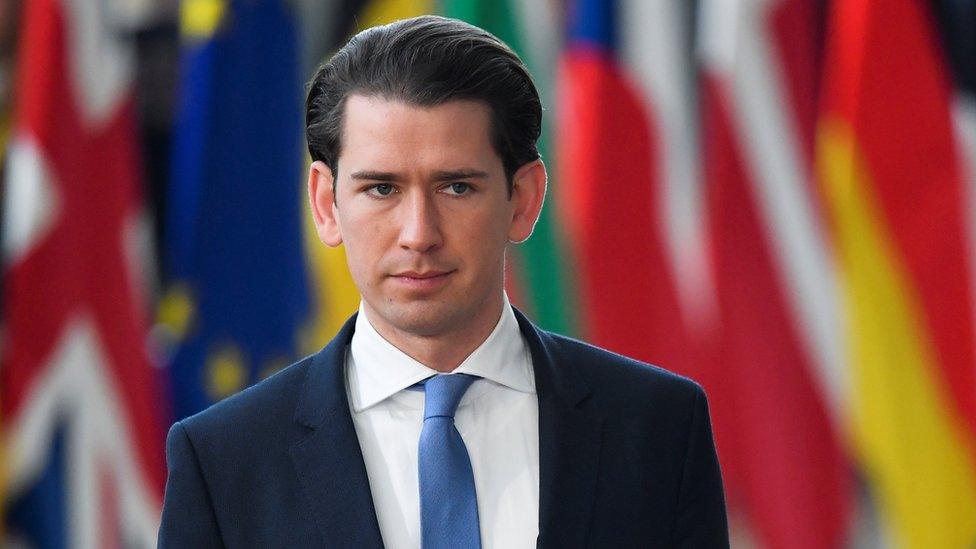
427	61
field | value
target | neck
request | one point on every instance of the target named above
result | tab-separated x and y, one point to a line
443	351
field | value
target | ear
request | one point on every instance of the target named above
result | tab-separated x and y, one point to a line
528	193
321	196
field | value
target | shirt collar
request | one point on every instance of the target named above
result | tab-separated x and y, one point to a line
380	370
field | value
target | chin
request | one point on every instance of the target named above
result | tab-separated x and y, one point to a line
422	319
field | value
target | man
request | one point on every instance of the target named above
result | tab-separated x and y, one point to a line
439	416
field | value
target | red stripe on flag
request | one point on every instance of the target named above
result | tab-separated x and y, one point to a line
779	451
609	181
792	24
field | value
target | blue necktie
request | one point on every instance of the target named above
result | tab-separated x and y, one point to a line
448	506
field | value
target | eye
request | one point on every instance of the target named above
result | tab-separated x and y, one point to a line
381	189
458	188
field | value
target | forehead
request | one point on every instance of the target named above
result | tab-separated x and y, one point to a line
399	134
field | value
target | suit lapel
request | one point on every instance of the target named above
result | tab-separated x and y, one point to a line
570	436
328	460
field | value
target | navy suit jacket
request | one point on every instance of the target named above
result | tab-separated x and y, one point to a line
626	458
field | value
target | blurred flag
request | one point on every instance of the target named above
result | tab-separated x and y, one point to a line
892	176
81	403
238	288
381	12
776	379
957	20
613	164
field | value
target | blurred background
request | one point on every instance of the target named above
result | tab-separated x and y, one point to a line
776	198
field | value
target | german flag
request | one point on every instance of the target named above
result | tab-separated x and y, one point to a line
891	173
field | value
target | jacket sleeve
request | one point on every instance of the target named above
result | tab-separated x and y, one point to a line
188	513
701	519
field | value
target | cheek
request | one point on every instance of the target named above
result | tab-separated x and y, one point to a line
363	240
484	236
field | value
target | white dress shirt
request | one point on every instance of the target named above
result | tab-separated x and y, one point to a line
498	418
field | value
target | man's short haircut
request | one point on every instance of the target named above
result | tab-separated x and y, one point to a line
427	61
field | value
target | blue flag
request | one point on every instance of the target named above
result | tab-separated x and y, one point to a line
238	288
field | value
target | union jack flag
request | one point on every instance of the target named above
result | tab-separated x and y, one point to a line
80	400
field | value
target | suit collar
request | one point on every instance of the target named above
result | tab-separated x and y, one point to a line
324	391
330	463
570	440
328	459
562	380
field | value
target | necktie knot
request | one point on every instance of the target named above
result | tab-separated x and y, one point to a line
442	394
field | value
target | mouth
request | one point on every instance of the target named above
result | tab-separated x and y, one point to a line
422	280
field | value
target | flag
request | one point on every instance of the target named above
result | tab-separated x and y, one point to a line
891	172
957	25
611	174
238	292
81	402
776	378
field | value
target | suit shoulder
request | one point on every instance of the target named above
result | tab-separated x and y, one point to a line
609	371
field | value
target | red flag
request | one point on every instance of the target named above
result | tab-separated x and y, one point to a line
775	376
611	180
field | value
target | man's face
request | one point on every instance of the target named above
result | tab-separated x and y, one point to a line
421	203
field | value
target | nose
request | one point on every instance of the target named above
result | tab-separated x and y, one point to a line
420	228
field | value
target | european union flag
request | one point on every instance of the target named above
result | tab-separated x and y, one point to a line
238	287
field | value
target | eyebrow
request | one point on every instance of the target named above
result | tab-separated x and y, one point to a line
440	175
451	175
